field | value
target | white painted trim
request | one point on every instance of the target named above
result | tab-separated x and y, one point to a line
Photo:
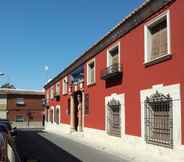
58	85
59	108
88	63
174	92
52	108
110	49
121	99
146	26
64	82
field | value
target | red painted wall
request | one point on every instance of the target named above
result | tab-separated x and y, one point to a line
136	76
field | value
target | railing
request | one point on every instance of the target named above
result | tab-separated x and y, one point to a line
111	71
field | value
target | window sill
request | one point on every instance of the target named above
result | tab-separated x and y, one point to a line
91	84
158	60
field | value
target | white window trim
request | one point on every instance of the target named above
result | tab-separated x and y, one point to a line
65	79
58	88
52	92
146	26
52	108
110	49
59	108
88	63
121	98
174	91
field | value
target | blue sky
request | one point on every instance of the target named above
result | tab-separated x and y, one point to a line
35	33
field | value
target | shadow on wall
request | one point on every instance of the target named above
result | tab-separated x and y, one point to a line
115	81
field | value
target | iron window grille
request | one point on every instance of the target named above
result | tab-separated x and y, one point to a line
159	120
113	118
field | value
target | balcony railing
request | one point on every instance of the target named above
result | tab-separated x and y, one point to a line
112	71
57	96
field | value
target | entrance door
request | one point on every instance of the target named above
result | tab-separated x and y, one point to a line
113	118
76	111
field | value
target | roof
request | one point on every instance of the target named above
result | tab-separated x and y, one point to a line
21	91
136	17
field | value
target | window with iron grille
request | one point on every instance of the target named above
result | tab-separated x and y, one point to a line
57	115
159	120
157	39
86	110
113	118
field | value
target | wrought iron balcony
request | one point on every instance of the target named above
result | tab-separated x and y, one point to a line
45	103
112	71
57	96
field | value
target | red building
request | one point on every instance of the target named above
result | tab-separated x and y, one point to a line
130	84
23	108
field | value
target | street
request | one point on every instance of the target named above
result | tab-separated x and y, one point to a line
46	147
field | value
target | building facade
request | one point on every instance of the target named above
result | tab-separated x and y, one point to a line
23	108
130	84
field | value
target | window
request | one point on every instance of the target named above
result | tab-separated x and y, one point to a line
159	120
51	118
68	110
65	85
19	118
51	92
47	95
58	89
20	101
57	114
113	55
91	72
157	38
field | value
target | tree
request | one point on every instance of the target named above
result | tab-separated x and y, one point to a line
8	85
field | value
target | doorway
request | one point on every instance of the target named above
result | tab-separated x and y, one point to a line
77	116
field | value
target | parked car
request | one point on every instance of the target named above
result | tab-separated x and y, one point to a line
7	125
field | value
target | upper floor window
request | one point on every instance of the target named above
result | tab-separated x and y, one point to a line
91	72
113	55
47	95
65	85
58	88
20	101
51	92
157	38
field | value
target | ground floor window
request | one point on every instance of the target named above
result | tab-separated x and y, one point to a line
113	118
51	115
57	115
19	118
159	120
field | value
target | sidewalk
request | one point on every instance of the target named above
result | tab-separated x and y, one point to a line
119	147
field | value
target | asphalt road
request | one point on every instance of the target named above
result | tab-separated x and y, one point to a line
44	147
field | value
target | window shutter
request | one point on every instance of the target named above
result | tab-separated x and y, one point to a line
159	40
86	110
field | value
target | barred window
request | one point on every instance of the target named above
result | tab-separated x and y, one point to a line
57	115
158	120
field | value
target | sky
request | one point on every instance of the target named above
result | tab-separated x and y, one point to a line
35	34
